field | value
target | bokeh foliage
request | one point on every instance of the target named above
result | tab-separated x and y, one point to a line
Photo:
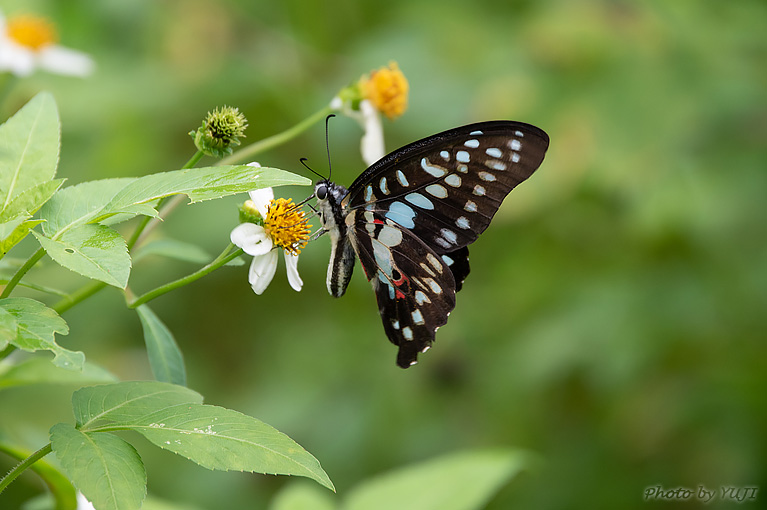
614	320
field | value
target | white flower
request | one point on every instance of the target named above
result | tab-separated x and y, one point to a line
283	226
372	143
28	43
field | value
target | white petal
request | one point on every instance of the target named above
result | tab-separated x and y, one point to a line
291	264
336	103
252	238
60	60
82	503
16	59
372	144
262	271
261	199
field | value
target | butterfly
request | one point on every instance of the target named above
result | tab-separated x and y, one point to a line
411	215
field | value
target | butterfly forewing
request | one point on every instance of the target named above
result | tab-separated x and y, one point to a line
446	188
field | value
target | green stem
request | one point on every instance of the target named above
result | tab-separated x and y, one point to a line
247	152
219	261
79	295
31	261
24	465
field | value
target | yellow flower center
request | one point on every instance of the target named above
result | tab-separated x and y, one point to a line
286	225
31	31
387	89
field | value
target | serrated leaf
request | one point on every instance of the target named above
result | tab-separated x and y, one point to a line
218	438
126	402
29	148
95	251
20	230
106	469
8	328
37	325
460	481
31	200
75	205
202	184
164	355
40	371
97	201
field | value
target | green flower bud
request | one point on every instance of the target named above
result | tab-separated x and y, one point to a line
220	131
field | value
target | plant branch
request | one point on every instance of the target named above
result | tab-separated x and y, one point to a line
31	261
23	466
219	261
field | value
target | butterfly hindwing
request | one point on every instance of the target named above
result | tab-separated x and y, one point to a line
414	286
446	188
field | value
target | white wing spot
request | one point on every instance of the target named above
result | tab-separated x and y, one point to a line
496	165
436	171
442	242
449	235
390	236
384	186
419	200
395	324
472	143
436	190
401	178
434	261
418	317
470	206
475	133
427	347
487	176
434	286
494	152
462	156
445	155
453	180
463	223
515	157
519	134
407	333
479	190
515	145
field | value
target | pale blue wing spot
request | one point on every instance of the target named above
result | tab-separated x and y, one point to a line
419	200
453	180
436	190
462	156
472	143
402	214
432	170
401	178
494	152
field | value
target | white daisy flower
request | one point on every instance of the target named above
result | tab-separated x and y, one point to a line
372	142
28	43
279	225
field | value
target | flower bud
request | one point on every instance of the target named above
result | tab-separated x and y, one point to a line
220	131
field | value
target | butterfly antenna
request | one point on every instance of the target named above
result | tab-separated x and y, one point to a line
327	143
303	162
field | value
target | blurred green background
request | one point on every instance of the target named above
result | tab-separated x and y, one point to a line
614	321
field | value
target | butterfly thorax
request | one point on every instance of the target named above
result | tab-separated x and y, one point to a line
332	216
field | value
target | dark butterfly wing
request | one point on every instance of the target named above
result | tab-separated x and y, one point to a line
446	188
414	286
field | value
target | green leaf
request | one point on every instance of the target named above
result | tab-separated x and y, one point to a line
29	148
460	481
110	404
97	201
164	355
106	469
8	328
12	232
302	496
95	251
218	438
37	325
40	371
31	200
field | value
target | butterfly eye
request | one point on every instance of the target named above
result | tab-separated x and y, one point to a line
321	192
